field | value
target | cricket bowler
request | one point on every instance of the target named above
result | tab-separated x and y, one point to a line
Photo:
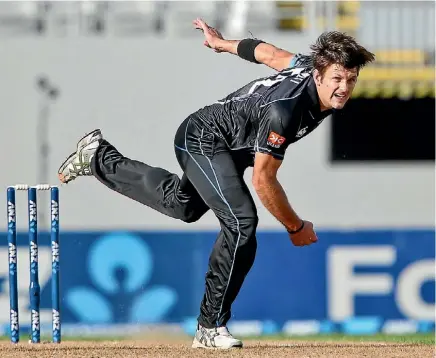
250	127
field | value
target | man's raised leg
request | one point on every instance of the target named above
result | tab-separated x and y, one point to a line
152	186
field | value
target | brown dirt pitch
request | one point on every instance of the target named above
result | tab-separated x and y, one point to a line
181	348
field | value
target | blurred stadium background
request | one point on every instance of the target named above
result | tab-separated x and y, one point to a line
136	70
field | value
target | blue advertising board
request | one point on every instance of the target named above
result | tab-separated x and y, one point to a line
158	277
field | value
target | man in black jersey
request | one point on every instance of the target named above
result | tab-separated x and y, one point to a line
251	127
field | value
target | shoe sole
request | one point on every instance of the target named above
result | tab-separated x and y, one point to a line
197	344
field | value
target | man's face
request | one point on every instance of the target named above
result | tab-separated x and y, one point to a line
336	86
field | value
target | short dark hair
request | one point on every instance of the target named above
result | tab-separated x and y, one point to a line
336	47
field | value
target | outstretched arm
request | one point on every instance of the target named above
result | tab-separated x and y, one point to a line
271	144
262	52
271	193
274	199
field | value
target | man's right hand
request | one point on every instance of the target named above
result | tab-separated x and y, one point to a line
212	37
304	237
265	53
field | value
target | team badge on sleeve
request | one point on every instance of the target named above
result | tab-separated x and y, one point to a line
275	140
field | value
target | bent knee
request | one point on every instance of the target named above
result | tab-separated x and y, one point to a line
248	227
191	217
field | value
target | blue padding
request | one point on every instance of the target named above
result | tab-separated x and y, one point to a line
190	325
327	327
362	325
426	326
270	327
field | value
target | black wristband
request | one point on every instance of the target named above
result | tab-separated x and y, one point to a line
246	49
298	230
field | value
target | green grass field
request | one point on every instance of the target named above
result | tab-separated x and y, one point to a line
408	338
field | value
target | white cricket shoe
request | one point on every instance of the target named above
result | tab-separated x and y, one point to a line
79	162
89	138
215	338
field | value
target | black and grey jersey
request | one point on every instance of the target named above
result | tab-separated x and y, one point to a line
269	113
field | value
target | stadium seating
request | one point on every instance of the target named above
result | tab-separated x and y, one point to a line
18	17
292	15
401	57
405	60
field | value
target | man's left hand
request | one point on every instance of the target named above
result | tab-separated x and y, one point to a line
306	236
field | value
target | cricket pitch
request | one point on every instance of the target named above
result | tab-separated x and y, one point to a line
181	348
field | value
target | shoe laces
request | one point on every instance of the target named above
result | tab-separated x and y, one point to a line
210	332
224	331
